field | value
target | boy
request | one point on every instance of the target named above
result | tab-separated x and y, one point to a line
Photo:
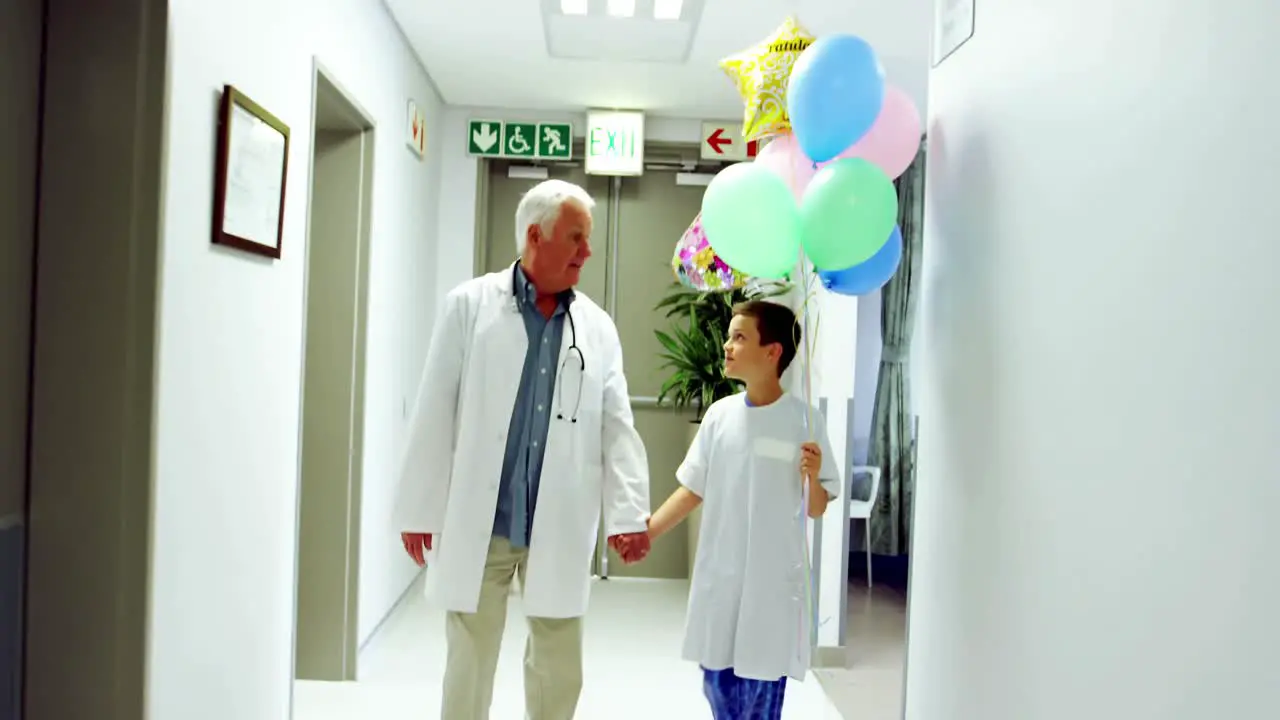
748	623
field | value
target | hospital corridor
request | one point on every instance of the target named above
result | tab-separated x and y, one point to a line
635	359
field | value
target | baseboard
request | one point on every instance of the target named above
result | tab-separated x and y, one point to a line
392	611
826	656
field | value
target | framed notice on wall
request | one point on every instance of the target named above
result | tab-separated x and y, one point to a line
952	27
252	167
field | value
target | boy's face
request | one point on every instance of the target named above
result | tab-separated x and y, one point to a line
745	358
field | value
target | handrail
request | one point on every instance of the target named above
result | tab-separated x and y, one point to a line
645	401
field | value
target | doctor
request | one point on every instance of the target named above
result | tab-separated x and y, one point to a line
522	432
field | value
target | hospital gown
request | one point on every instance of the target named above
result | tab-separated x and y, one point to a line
747	604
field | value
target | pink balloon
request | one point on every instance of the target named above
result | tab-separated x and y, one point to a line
784	157
892	143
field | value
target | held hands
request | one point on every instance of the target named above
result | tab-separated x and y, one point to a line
632	547
810	461
416	544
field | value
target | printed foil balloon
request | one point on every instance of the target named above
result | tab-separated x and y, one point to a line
697	266
762	73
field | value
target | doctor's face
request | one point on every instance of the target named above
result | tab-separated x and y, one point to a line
554	261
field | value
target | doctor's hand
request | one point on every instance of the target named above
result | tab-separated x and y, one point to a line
632	547
416	544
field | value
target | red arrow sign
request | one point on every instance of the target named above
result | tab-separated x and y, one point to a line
717	141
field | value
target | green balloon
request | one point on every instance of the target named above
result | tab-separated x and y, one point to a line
847	214
751	221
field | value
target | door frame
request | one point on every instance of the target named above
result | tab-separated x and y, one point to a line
359	357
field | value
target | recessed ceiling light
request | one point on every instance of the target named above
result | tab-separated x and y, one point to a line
622	8
667	9
574	7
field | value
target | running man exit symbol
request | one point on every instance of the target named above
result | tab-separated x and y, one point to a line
555	141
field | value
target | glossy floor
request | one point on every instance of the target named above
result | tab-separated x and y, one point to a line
870	687
633	669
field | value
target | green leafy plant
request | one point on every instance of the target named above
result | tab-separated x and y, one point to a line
694	344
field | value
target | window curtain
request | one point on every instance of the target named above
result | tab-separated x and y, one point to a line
892	446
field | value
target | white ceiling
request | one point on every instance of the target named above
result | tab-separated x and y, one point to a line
494	53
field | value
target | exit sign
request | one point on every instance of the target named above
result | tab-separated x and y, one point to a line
516	140
615	142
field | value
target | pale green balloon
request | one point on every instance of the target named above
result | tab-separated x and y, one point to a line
751	221
847	214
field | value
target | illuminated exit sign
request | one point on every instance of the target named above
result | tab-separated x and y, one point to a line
615	142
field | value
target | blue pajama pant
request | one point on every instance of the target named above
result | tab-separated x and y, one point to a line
735	698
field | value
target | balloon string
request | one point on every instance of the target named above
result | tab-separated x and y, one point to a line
810	341
805	630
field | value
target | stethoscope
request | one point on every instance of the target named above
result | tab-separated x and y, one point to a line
573	351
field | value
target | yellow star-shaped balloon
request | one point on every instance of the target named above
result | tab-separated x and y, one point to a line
761	73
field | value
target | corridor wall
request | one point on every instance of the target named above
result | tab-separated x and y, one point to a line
1095	512
231	345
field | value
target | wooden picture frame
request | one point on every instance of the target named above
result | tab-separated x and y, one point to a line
251	176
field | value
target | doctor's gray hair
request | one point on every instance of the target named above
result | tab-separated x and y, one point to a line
541	206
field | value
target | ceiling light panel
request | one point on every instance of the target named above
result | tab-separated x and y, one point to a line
667	9
622	8
574	7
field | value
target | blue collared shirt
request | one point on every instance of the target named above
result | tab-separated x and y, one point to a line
531	416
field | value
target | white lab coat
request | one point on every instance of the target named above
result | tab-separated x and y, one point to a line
457	438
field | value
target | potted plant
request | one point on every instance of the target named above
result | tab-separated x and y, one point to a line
694	344
694	353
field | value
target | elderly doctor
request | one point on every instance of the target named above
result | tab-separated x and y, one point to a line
522	432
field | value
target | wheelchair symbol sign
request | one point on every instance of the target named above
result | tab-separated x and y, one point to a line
520	139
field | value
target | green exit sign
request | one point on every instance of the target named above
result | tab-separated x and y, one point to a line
528	140
615	142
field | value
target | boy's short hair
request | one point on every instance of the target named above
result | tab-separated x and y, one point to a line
776	324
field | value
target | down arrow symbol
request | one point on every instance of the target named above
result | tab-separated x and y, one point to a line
485	138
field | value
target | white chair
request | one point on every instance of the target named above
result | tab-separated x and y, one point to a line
863	509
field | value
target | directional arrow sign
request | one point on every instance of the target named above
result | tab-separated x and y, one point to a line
723	141
717	141
484	138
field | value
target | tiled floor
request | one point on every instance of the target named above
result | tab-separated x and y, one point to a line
633	669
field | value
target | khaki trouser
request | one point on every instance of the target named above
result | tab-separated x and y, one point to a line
552	656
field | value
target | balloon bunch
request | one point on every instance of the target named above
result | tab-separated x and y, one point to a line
838	136
822	188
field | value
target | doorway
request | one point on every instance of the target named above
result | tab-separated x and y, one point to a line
637	223
331	447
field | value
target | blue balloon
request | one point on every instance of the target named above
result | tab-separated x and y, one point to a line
869	275
834	95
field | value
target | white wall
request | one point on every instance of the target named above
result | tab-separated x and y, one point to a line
1095	528
231	348
866	372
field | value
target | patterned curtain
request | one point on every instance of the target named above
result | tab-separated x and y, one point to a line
892	427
